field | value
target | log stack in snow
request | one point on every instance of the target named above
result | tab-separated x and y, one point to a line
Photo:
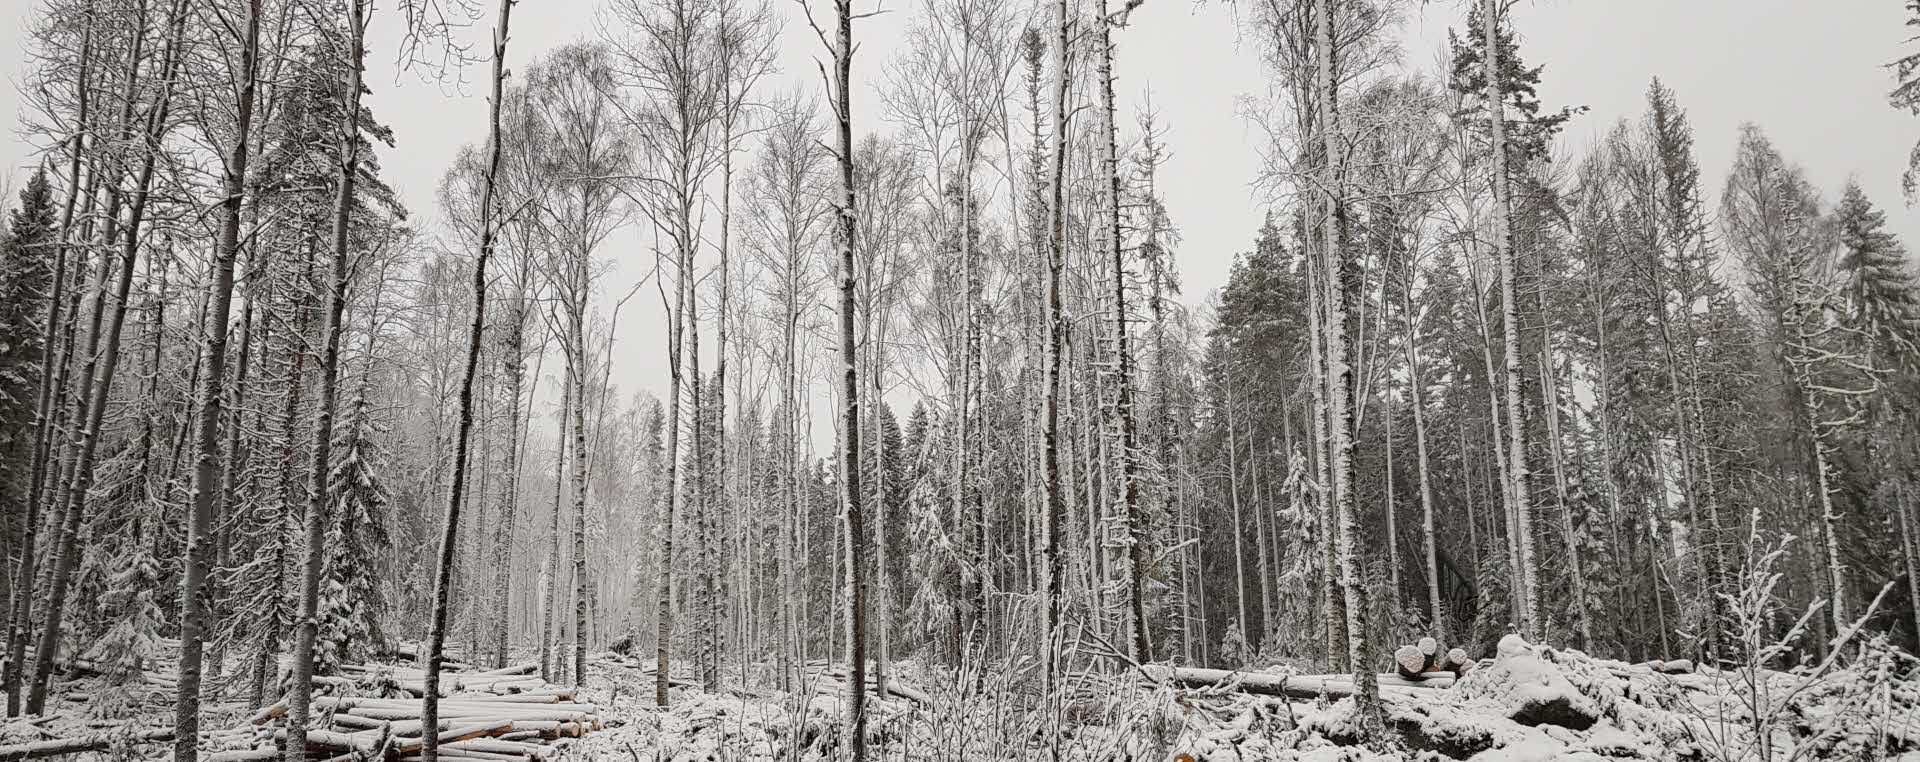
1424	661
1288	686
504	715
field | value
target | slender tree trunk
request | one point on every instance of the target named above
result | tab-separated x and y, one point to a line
1339	382
1239	525
1823	472
21	605
301	693
450	528
854	532
1393	527
1910	550
1429	550
194	606
1135	562
550	661
70	401
1550	406
1521	503
1264	562
577	376
510	498
1333	610
663	637
1056	327
66	554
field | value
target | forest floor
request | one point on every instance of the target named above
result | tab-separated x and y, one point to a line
1525	703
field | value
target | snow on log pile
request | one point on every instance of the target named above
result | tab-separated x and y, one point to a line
368	712
740	723
503	714
1532	702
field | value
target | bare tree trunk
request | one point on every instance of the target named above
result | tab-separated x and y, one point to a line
1239	525
317	495
577	376
1550	406
443	567
663	638
1393	527
1265	557
194	606
1135	562
1823	485
1333	610
20	609
1056	327
854	532
550	661
1521	502
66	556
1416	392
1910	550
1360	651
510	499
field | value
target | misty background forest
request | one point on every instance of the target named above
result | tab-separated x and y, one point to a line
1493	444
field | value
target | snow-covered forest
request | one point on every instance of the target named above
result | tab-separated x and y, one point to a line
1492	444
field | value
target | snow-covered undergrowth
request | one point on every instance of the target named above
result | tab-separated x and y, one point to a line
1526	703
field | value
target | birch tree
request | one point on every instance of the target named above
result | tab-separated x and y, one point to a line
450	521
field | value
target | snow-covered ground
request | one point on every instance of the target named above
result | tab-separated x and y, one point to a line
1526	703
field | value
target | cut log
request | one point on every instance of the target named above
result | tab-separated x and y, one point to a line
1410	661
552	697
59	746
496	746
893	686
1674	667
1434	679
1457	661
1286	686
269	713
459	733
243	755
529	668
362	742
1430	648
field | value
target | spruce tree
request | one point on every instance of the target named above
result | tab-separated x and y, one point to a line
27	249
1881	292
351	603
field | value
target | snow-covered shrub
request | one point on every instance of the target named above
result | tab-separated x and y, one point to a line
1829	708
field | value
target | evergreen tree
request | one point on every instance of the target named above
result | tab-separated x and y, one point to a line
1881	292
1530	133
27	249
352	604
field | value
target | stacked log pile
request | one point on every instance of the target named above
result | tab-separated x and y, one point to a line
505	714
1423	661
373	712
832	681
1419	667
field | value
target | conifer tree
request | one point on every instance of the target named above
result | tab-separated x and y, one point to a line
351	602
27	249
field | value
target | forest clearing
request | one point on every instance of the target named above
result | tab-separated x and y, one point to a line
718	397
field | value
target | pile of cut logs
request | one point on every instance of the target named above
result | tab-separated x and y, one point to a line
509	715
1423	661
1420	667
503	714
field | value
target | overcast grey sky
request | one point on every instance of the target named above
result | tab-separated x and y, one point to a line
1809	72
